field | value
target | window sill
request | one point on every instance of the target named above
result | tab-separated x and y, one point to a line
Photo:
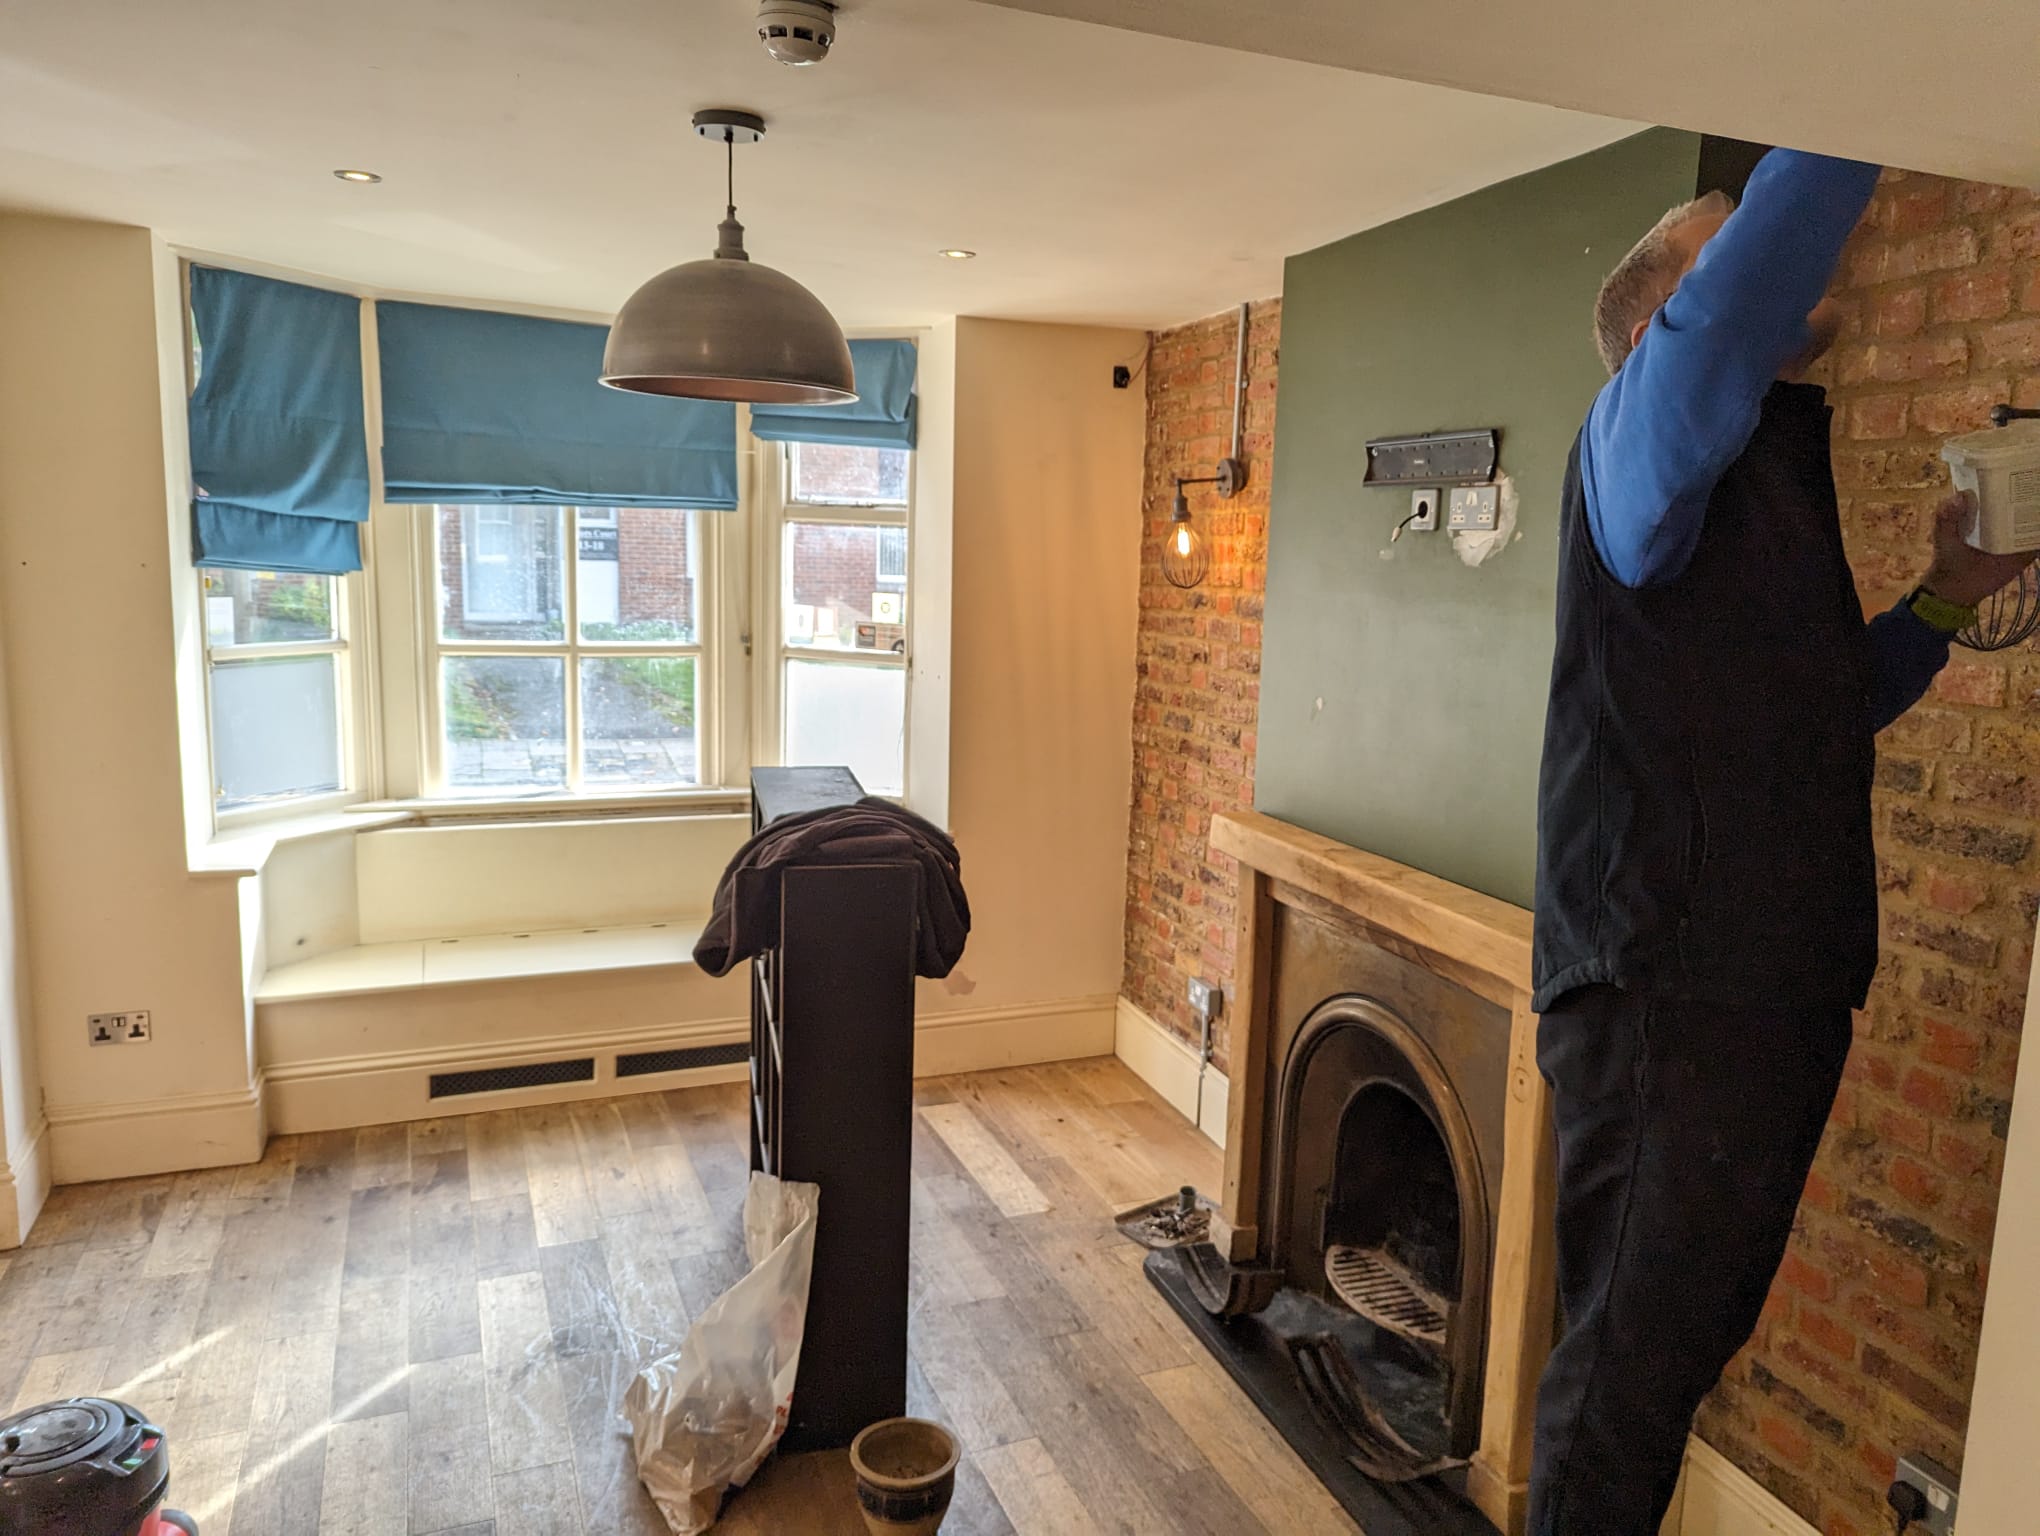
242	851
685	802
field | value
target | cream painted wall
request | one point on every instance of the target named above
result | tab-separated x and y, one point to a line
116	919
1045	586
2004	1410
24	1167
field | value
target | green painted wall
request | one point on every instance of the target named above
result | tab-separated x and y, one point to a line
1402	699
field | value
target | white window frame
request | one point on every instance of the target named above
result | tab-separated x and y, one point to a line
776	510
353	695
571	649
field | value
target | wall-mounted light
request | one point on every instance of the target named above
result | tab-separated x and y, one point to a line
1186	558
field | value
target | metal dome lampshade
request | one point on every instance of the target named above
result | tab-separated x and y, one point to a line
727	328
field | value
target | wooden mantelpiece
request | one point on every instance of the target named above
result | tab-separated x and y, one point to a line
1483	945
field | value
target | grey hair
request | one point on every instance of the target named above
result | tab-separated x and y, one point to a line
1645	278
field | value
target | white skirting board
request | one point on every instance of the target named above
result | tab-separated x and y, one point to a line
24	1186
1168	1064
119	1141
1715	1498
337	1092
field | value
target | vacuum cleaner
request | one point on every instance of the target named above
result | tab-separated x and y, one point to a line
85	1467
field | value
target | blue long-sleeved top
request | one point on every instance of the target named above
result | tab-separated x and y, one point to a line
1685	403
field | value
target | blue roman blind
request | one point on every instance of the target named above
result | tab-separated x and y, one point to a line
882	415
485	407
279	455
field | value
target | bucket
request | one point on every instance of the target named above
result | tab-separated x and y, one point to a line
2000	467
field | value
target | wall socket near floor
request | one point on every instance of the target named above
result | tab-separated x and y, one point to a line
119	1028
1939	1485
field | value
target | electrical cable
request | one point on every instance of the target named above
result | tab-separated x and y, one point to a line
1402	525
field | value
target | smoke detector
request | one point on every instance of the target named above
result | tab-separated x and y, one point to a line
797	31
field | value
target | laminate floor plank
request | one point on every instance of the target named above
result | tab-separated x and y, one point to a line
424	1329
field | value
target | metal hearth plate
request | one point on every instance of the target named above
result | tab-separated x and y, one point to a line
1258	1357
1384	1293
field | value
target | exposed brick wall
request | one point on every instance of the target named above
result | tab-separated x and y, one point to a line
1868	1347
1198	662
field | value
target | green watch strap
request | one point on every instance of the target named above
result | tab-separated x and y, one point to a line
1938	613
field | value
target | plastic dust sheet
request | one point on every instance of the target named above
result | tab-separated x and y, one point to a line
704	1418
699	1413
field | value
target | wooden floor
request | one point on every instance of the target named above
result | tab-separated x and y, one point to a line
421	1329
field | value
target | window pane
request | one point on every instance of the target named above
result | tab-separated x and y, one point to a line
832	476
838	594
838	713
636	575
637	720
506	721
266	607
275	729
501	573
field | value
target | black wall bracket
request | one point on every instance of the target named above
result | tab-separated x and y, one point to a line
1435	458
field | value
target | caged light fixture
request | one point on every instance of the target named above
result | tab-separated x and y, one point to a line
1186	554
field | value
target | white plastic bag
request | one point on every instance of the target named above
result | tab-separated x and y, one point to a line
703	1419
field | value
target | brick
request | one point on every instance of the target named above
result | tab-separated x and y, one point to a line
1945	412
1926	729
1963	1156
1902	1128
2016	238
1980	683
1957	893
2030	298
1982	293
1904	776
1806	1277
1897	362
1962	837
1829	1334
1916	1183
2010	344
1932	1093
1954	1046
1957	942
1787	1439
1900	312
1878	416
1941	1404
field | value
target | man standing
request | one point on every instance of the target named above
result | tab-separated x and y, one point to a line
1706	911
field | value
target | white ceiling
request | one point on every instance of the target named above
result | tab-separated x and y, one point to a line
1950	86
538	151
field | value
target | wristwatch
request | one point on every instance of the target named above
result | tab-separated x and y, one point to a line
1938	613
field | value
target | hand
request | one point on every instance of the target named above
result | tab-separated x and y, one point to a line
1960	573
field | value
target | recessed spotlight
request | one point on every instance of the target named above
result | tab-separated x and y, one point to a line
957	255
357	175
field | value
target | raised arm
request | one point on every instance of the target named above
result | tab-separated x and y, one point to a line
1685	402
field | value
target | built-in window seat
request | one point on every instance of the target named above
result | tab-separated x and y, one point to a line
406	963
391	962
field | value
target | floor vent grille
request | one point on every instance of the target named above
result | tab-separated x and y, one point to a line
639	1063
535	1074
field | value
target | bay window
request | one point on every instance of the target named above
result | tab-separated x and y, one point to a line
495	581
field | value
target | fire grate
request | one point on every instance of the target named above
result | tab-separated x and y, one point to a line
1379	1289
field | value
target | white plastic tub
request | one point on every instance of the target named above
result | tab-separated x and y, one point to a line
2000	466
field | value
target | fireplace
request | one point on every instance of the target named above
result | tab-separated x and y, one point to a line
1379	1272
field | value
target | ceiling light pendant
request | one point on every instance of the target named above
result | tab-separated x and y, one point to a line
728	328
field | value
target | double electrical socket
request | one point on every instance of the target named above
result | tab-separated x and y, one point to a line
118	1028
